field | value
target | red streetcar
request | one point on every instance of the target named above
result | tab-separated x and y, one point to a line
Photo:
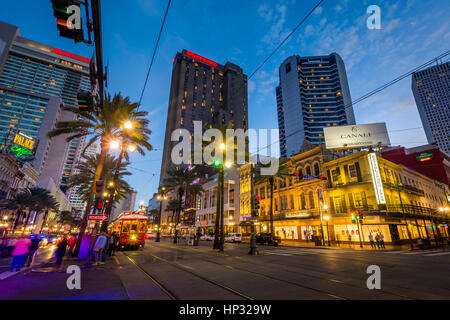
131	227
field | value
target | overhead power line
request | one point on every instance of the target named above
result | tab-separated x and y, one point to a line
154	53
379	89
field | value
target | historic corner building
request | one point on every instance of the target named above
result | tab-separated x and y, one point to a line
313	94
35	81
203	90
395	201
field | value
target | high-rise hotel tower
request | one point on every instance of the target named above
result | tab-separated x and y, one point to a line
431	88
201	89
35	79
313	94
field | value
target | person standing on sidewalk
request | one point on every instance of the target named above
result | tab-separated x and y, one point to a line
372	243
71	243
61	251
35	241
99	246
382	241
19	253
377	239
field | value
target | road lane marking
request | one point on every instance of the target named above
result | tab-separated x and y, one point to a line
437	254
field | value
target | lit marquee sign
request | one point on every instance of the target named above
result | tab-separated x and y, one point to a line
70	55
23	145
376	178
200	58
424	156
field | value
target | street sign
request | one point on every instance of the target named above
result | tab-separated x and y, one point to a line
98	217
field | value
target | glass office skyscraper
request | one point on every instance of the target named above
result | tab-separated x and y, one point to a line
313	94
431	88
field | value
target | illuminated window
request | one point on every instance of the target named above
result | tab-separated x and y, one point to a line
339	93
37	119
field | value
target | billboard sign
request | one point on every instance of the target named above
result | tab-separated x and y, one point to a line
357	136
376	178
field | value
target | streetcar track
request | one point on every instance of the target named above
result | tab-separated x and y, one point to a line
185	269
163	288
287	270
277	279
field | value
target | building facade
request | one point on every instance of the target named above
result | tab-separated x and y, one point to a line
429	160
203	90
313	93
126	204
393	200
205	218
431	88
35	80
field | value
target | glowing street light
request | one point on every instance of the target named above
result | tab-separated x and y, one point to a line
114	144
228	164
128	125
223	146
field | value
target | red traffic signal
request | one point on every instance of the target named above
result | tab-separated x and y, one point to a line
100	205
322	178
298	175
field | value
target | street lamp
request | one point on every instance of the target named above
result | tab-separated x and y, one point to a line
160	198
327	218
114	144
128	125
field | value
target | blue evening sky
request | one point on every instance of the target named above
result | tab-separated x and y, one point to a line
245	32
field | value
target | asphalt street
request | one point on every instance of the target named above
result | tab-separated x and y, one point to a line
164	271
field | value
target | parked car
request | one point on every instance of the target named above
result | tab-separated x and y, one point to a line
233	237
267	238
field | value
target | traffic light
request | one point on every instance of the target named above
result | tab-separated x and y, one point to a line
353	219
99	190
298	175
68	19
256	205
361	214
216	163
85	101
99	205
323	178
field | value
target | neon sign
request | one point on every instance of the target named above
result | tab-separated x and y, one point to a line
424	156
70	55
200	58
23	141
21	151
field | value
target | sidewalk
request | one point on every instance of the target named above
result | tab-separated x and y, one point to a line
49	282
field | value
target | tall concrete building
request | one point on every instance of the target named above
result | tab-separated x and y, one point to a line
313	94
431	88
35	80
200	90
126	204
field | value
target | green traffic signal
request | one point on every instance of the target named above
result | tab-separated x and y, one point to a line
216	163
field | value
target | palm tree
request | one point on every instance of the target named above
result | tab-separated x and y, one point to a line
182	180
65	217
21	202
104	126
172	206
84	178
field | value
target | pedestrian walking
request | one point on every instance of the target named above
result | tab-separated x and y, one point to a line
382	241
19	253
35	241
372	243
99	246
113	244
61	250
377	239
71	244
